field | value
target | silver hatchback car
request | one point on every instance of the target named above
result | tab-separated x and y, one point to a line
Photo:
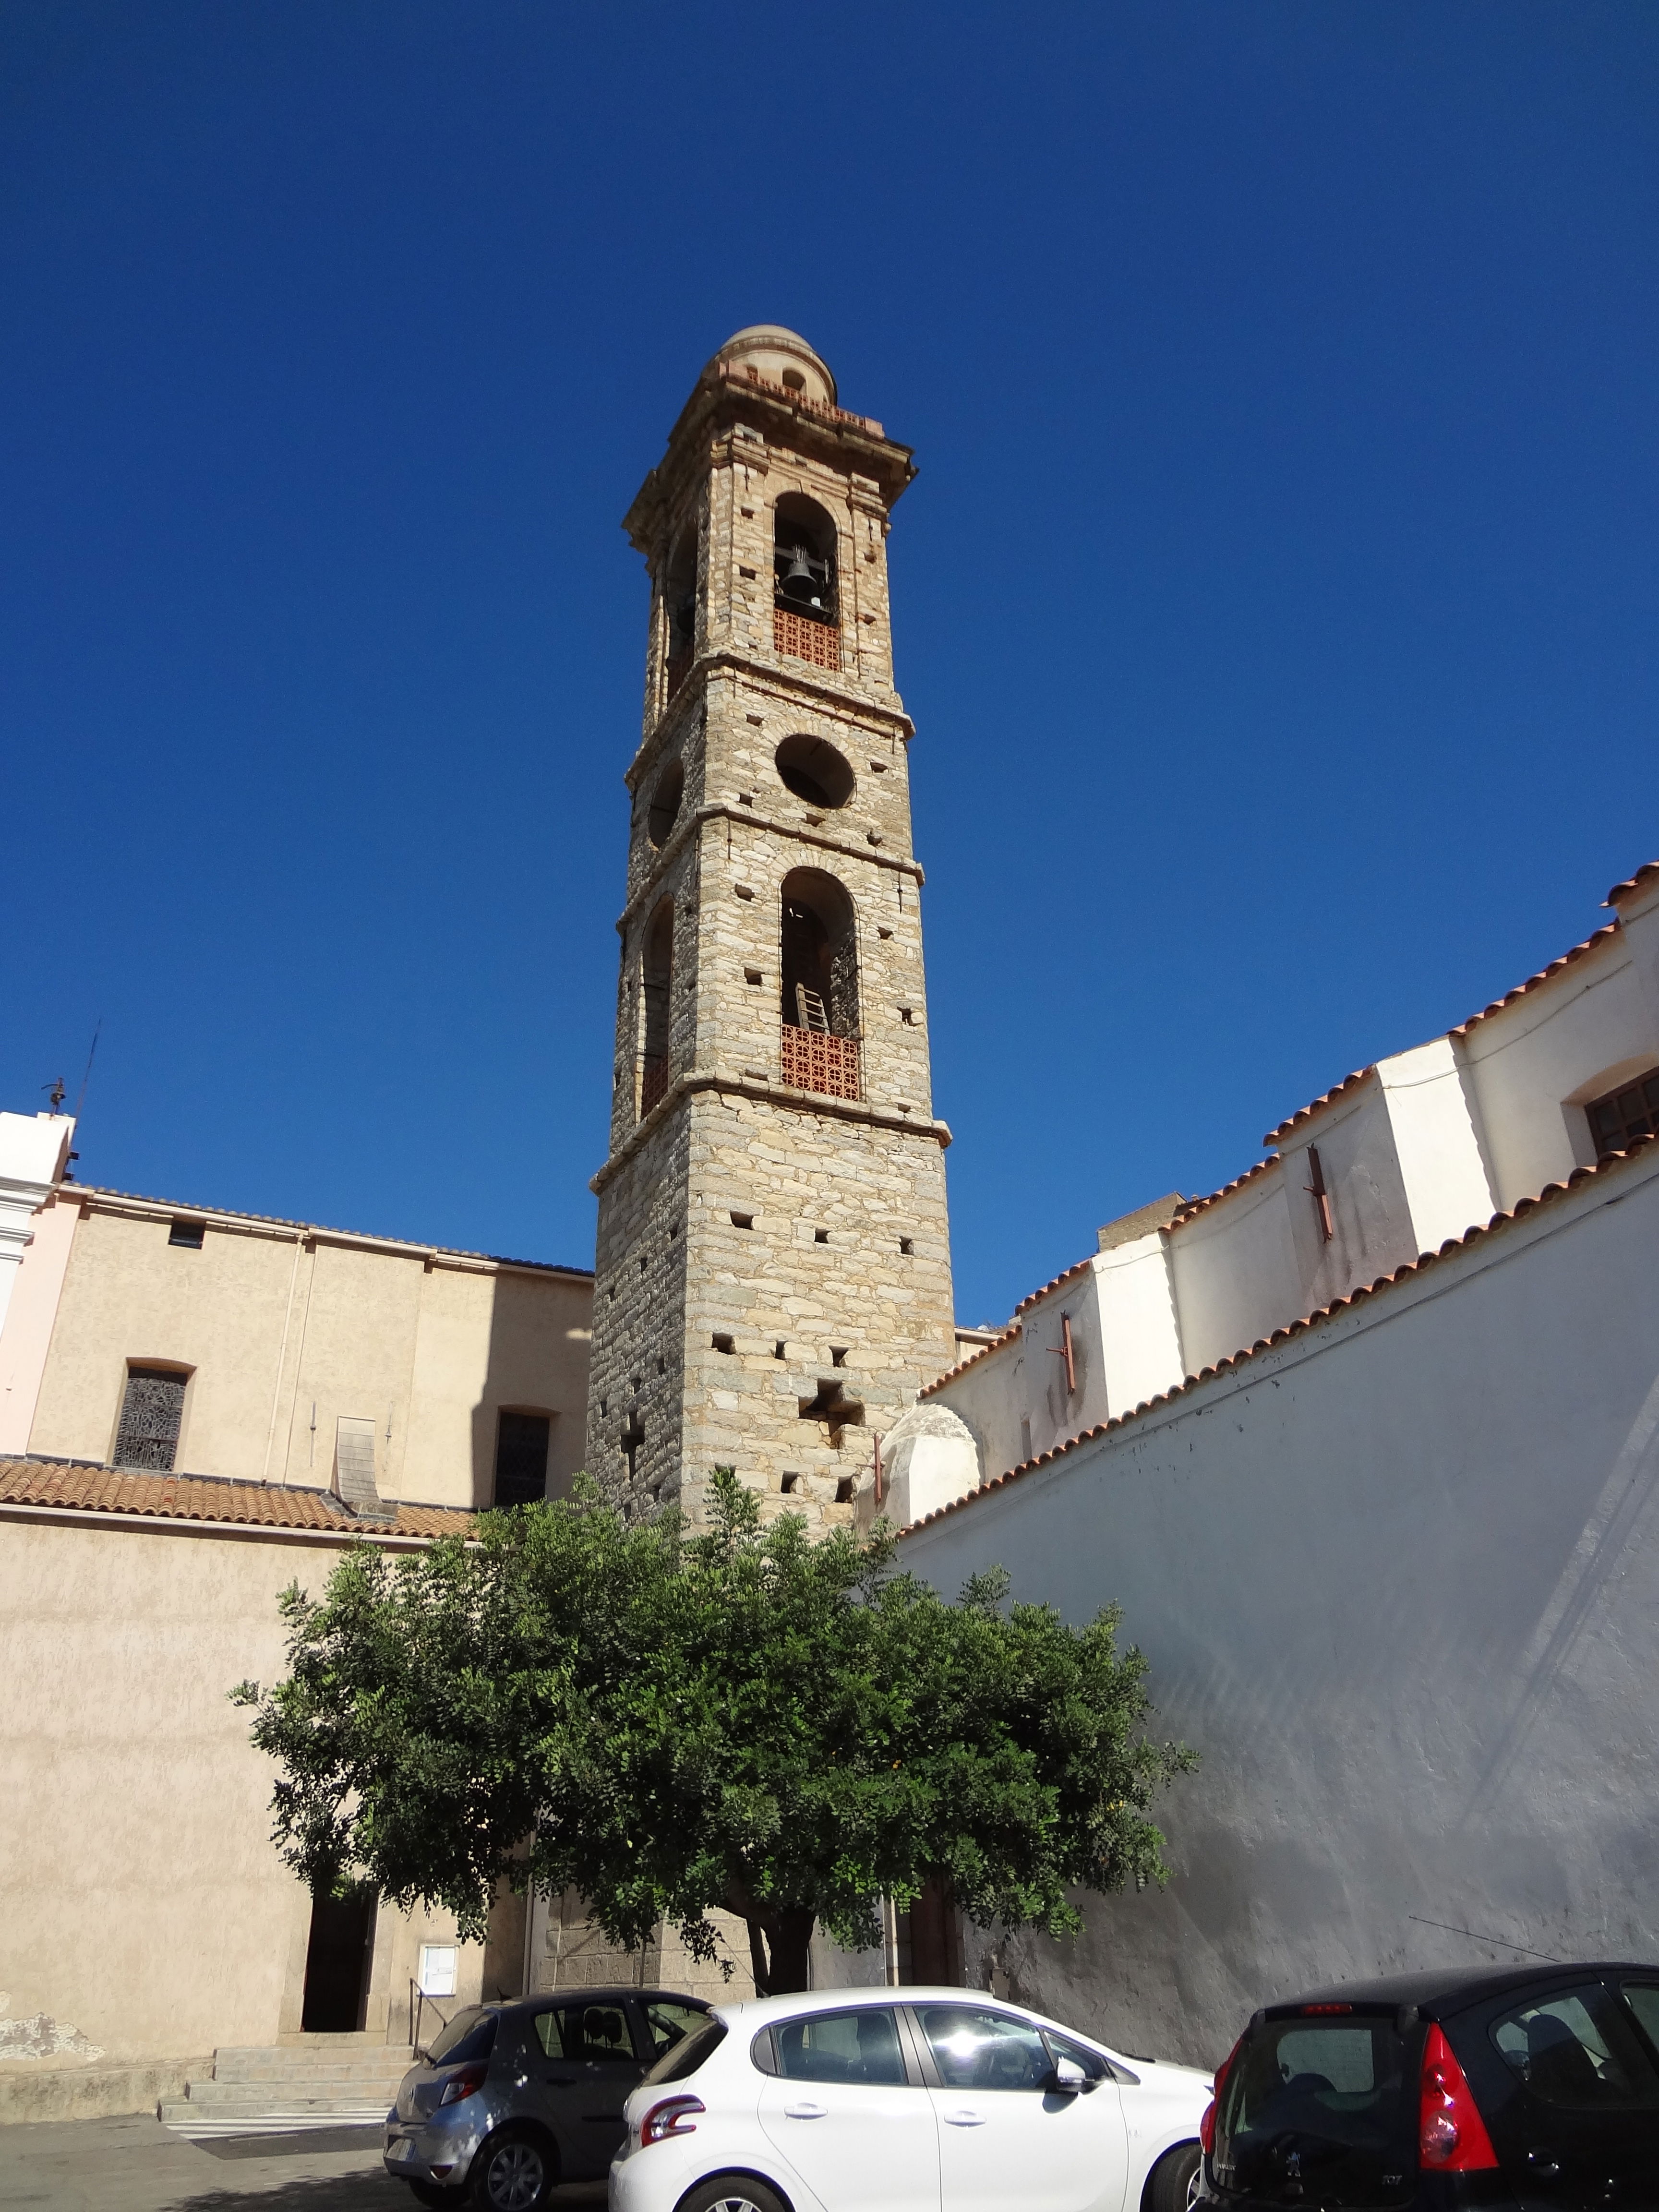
511	2098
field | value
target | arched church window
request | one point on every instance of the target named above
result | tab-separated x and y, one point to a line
805	612
814	770
818	965
680	599
656	1001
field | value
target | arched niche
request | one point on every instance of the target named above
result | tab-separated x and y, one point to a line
818	962
656	1005
804	564
679	592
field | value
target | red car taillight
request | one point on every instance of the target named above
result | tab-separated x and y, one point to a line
671	2118
1451	2135
1207	2125
465	2082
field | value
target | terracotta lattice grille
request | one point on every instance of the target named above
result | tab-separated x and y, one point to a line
819	643
653	1083
815	1061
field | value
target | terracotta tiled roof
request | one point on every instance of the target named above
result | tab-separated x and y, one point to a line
1066	1275
1596	937
1197	1205
84	1488
212	1214
1302	1113
973	1360
1550	1192
1645	874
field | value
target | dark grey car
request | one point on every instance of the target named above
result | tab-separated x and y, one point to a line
511	2098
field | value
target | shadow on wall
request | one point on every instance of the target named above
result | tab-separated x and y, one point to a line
528	1423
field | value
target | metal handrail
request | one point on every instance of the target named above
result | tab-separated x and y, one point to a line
418	2001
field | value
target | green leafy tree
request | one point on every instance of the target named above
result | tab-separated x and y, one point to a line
741	1719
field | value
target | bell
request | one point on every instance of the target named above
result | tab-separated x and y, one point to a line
798	581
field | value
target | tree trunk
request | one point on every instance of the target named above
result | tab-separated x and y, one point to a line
778	1949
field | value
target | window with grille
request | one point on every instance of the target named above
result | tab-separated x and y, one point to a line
1631	1111
151	1410
521	1442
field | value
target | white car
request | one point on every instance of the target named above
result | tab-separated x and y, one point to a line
905	2100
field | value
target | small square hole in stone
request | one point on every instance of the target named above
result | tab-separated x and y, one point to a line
788	1485
723	1343
844	1490
880	767
906	1245
882	932
779	1350
753	975
642	1263
820	1235
742	1221
838	1355
907	1015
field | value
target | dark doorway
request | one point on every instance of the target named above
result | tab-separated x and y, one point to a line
936	1937
337	1962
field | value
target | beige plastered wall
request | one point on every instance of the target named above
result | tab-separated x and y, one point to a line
282	1332
141	1900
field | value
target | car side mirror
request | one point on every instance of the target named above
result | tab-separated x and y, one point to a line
1069	2078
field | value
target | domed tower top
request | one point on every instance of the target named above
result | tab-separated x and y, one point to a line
779	356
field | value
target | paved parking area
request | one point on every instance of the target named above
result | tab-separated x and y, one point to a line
135	2164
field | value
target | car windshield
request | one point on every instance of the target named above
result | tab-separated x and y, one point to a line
684	2057
1317	2111
469	2036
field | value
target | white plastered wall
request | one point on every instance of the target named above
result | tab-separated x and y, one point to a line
1397	1580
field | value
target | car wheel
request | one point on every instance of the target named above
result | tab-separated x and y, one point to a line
514	2173
1174	2184
731	2192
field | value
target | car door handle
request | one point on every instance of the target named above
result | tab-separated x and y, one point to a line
962	2116
804	2110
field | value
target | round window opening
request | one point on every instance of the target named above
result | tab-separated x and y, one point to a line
664	803
815	771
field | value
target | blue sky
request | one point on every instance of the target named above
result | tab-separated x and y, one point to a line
1276	602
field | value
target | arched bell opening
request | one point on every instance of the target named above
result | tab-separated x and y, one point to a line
804	559
663	809
679	593
819	968
656	1003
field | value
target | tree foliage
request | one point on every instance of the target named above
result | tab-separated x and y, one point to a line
740	1719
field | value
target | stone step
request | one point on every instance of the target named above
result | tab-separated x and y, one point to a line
388	2069
256	2096
302	2050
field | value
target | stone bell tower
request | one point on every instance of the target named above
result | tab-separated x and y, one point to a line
774	1270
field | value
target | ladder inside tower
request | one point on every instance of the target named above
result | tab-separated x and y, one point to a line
809	1007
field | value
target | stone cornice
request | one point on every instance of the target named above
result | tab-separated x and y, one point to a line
776	670
730	1085
799	427
675	844
126	1206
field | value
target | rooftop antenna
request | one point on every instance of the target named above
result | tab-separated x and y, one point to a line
86	1077
59	1091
